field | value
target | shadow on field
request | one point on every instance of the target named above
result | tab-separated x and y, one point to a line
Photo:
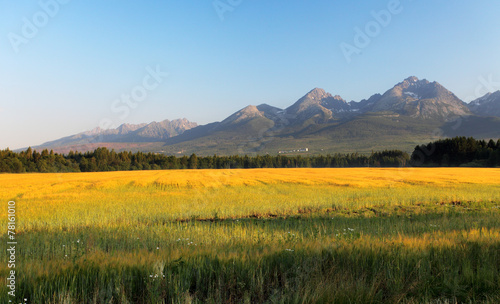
321	274
332	256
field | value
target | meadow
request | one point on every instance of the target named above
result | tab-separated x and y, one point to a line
359	235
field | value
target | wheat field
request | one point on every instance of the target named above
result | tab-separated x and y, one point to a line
398	235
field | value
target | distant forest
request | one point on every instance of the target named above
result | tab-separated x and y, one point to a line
459	151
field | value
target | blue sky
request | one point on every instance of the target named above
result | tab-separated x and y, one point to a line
70	72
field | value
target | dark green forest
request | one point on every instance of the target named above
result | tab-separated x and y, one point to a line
103	159
458	151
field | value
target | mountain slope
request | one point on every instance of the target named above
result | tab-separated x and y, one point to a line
488	105
421	99
226	136
317	106
473	126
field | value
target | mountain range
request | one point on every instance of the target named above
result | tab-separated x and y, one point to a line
126	135
410	113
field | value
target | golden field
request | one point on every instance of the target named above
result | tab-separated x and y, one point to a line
398	235
105	198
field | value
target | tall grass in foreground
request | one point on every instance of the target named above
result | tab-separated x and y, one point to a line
258	236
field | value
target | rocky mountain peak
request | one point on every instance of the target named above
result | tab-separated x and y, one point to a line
488	98
126	128
337	97
412	79
421	98
246	113
488	105
411	82
317	94
94	131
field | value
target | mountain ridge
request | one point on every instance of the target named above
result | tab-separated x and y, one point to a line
406	113
487	105
154	131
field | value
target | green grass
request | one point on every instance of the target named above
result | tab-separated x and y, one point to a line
338	256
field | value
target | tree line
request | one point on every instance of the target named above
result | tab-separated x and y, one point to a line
102	159
458	151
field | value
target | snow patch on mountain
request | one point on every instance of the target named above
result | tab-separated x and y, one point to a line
411	94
